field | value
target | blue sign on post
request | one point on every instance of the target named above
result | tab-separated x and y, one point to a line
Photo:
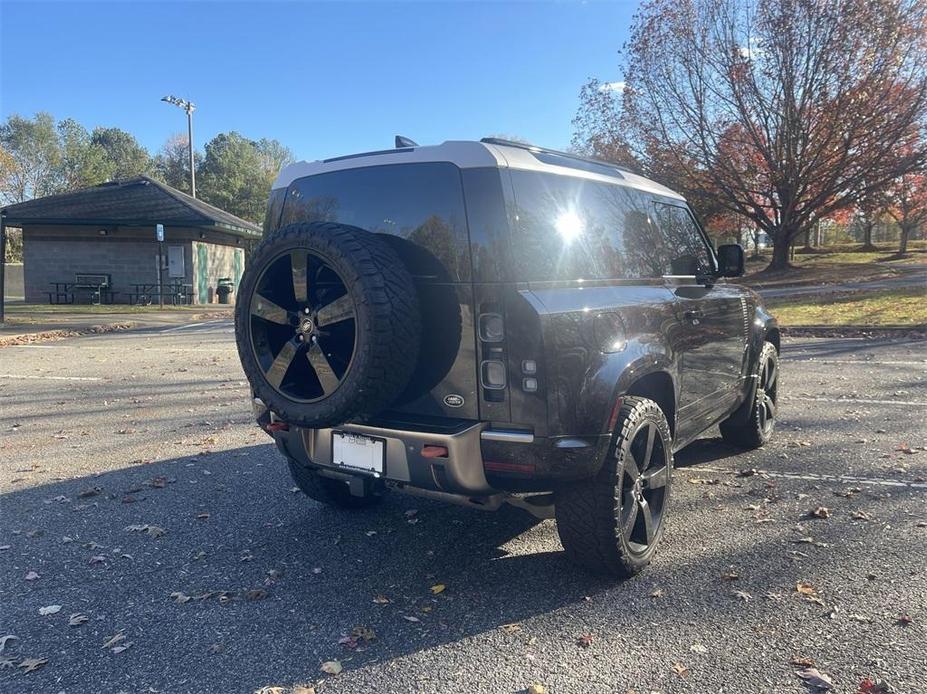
159	231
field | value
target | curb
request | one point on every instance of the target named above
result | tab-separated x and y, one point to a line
52	335
867	331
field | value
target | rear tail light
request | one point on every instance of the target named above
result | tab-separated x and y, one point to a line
492	374
492	328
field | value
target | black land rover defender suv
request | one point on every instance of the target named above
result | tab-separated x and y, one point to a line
490	322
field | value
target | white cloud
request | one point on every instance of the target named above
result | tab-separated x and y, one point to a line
612	86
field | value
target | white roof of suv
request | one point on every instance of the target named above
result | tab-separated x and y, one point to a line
467	154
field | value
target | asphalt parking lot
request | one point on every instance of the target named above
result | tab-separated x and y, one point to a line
137	498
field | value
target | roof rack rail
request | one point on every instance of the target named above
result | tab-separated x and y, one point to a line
557	152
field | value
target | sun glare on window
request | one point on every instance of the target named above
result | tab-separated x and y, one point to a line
569	226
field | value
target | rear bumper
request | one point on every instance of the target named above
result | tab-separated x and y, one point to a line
479	460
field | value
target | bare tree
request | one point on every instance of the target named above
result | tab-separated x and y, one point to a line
789	109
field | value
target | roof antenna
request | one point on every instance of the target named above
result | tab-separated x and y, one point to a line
405	142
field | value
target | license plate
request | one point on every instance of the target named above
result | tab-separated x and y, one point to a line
358	452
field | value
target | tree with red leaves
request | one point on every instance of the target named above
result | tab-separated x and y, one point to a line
786	110
908	205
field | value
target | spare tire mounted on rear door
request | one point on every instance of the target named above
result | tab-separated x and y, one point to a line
327	324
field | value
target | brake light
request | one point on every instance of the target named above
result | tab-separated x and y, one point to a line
492	374
492	328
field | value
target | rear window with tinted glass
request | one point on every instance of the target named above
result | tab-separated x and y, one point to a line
418	206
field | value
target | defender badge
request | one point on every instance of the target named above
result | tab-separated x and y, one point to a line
454	400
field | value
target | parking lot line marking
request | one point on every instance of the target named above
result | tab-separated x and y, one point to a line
817	477
861	401
52	378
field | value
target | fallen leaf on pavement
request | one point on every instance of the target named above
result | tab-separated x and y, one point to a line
698	648
5	639
802	661
50	609
113	640
97	559
180	598
680	669
860	515
819	512
860	618
363	633
439	588
730	575
256	594
410	618
584	641
537	689
658	593
904	620
122	647
381	600
511	628
77	619
805	588
743	595
868	686
815	679
32	576
331	667
30	664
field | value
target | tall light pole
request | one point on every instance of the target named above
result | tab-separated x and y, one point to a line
189	107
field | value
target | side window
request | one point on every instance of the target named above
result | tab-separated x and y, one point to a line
681	243
570	228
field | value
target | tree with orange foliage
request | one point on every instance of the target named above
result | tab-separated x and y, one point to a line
786	110
908	205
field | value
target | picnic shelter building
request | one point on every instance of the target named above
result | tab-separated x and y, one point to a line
110	230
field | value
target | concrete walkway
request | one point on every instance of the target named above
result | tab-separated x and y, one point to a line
914	276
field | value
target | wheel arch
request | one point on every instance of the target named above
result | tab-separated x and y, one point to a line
659	387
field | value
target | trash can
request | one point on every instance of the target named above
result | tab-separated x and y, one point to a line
224	288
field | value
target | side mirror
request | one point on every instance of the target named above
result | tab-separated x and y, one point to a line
730	260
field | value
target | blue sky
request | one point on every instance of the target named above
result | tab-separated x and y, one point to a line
324	79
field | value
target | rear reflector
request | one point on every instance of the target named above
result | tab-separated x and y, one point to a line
508	467
277	426
434	451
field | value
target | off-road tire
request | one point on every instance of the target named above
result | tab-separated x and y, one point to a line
589	513
329	491
747	427
387	322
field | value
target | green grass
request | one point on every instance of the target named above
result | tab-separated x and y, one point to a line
905	306
835	264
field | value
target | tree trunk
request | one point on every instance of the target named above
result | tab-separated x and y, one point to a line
867	237
903	243
780	257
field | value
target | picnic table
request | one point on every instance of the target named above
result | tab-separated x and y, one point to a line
177	293
97	288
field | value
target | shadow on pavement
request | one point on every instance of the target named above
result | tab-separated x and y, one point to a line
231	524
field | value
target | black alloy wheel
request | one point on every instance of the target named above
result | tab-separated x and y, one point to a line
302	326
766	399
644	481
612	524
